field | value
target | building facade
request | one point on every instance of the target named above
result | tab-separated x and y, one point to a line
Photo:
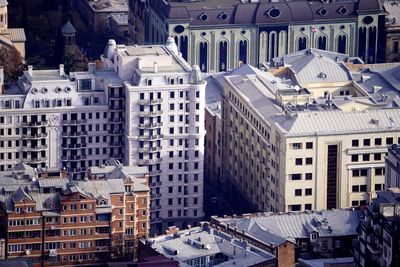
392	30
392	167
146	107
311	133
10	37
379	232
54	221
228	34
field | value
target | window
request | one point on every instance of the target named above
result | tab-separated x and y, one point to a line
389	140
363	188
377	156
355	188
367	142
379	171
313	236
354	143
365	157
378	141
378	187
299	161
309	176
297	192
308	206
354	158
296	145
308	191
309	145
309	161
296	207
296	176
354	203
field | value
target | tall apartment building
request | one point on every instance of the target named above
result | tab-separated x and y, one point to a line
379	232
146	107
54	221
392	167
220	35
313	135
164	127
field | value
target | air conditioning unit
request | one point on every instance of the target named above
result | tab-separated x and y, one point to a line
28	252
53	253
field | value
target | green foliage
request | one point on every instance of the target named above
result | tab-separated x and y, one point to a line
75	61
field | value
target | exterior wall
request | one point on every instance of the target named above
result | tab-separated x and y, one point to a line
213	148
392	43
346	197
20	46
3	18
392	168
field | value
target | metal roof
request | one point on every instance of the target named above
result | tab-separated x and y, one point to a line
198	242
17	35
68	28
291	226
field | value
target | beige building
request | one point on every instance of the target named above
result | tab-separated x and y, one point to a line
392	28
313	135
10	36
392	169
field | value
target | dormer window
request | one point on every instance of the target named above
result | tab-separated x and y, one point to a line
149	82
223	16
29	210
103	202
273	13
18	210
323	12
313	236
203	17
7	104
342	10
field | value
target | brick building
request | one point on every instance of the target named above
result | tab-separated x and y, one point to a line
53	221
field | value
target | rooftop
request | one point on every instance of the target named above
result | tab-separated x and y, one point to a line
392	9
349	261
109	5
120	18
191	244
276	228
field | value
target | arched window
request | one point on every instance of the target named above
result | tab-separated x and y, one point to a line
362	39
203	56
342	44
272	45
242	52
223	56
371	44
322	42
184	47
302	43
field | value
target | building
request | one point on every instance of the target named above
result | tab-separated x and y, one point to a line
97	12
222	35
207	246
68	31
392	167
146	107
164	128
311	132
51	220
118	26
10	37
392	29
379	232
290	236
337	262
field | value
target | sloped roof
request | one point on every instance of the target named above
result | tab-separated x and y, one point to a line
17	34
68	28
3	3
291	226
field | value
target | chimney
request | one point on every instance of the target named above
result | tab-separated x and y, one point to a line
92	67
62	72
155	67
1	80
139	64
30	70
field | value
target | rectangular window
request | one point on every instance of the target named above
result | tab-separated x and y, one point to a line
299	161
309	176
297	192
308	191
309	145
354	158
365	157
355	143
296	176
309	161
367	142
378	141
296	145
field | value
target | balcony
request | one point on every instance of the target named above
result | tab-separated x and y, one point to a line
74	134
116	120
150	113
34	124
36	160
34	148
149	161
117	107
115	132
150	101
149	149
156	184
149	137
73	146
115	144
155	172
73	158
74	122
34	136
150	125
153	196
116	156
115	96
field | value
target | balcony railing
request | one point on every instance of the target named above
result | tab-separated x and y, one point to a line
34	124
34	136
34	148
74	122
149	149
149	161
150	125
149	137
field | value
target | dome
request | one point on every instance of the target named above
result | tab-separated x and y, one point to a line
109	51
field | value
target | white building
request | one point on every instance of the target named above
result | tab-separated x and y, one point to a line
146	107
313	135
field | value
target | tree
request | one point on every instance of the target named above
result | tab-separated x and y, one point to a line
11	60
75	61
